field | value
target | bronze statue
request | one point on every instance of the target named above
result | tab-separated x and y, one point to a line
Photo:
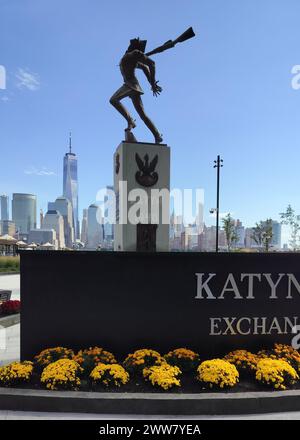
135	58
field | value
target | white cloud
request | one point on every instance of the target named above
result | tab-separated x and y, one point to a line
39	172
27	80
5	98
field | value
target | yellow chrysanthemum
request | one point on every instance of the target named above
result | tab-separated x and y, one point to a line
284	352
276	373
16	373
50	355
62	374
163	376
218	373
244	360
93	356
135	362
183	358
109	374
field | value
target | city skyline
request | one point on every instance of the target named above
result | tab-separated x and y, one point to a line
56	226
59	217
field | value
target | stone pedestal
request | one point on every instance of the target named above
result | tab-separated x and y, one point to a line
142	166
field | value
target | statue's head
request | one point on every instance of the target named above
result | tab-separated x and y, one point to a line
137	44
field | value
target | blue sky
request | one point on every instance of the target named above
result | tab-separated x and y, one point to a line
227	91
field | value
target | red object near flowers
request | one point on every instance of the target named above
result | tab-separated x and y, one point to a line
10	307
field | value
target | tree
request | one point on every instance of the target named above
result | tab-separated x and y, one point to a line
262	234
290	218
230	231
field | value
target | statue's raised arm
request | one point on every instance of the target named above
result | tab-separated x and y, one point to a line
189	33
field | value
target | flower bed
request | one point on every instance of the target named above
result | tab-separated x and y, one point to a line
179	371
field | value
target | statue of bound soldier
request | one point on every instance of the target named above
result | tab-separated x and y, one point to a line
135	58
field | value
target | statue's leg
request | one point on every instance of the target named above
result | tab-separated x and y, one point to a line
138	105
115	100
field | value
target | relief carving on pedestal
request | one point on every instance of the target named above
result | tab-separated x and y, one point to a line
146	176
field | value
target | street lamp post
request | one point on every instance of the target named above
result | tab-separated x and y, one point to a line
218	165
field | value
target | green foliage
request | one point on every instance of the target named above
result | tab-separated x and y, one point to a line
230	231
262	233
290	218
9	264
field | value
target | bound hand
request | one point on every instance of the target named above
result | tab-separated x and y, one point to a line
156	89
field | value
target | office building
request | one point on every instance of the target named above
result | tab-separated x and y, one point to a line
41	218
24	212
249	241
190	237
64	207
7	227
94	227
54	220
108	220
42	236
200	218
207	239
241	235
4	207
178	225
70	186
276	239
84	226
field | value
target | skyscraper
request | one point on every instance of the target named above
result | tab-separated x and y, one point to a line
64	207
4	207
94	227
240	232
70	185
41	218
24	212
54	220
8	227
178	225
84	226
200	217
108	225
190	237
